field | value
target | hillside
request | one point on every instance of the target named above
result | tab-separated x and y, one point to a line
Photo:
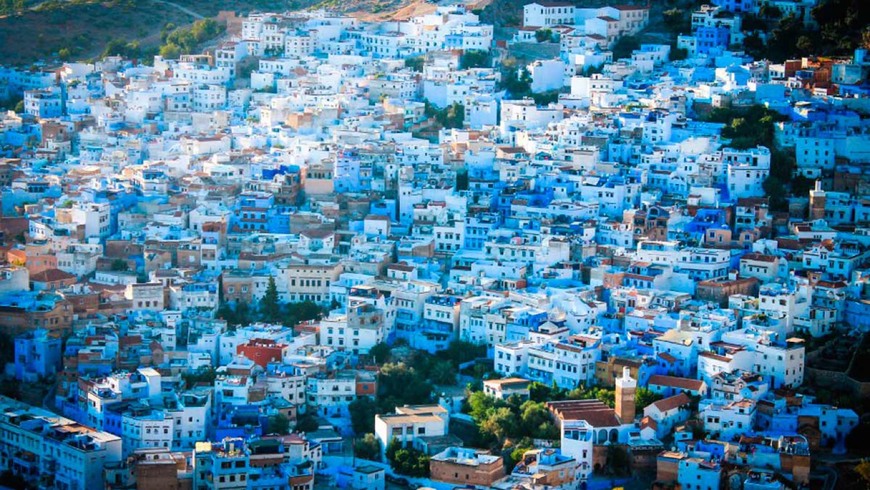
81	29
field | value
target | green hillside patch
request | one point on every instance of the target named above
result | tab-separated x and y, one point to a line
81	29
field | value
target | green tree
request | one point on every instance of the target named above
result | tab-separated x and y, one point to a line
801	186
367	447
64	54
644	397
407	461
189	38
805	45
301	312
362	414
604	395
7	348
676	21
678	53
770	11
462	180
754	45
204	376
546	98
863	469
517	82
411	462
240	314
442	373
306	423
279	424
475	58
776	193
499	423
536	421
380	353
543	35
624	46
608	397
415	63
270	306
842	25
540	392
392	448
399	384
452	117
517	453
479	405
170	51
120	265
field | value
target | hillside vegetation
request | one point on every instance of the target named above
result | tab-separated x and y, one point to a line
32	30
82	29
58	30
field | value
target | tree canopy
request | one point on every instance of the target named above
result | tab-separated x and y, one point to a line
407	461
367	447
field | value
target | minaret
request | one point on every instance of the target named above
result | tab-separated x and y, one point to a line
626	387
817	202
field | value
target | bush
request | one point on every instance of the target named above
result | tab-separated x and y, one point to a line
452	116
475	58
367	447
187	39
119	47
407	461
543	35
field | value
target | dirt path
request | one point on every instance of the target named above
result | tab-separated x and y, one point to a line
183	9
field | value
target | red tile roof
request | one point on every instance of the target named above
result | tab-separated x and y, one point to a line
672	402
676	382
51	275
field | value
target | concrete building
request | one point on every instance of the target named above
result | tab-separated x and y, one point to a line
465	466
410	423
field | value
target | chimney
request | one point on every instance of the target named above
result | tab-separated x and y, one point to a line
626	387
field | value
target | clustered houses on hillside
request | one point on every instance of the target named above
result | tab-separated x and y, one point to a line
157	218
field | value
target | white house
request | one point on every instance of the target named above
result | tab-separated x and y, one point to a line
410	423
668	413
